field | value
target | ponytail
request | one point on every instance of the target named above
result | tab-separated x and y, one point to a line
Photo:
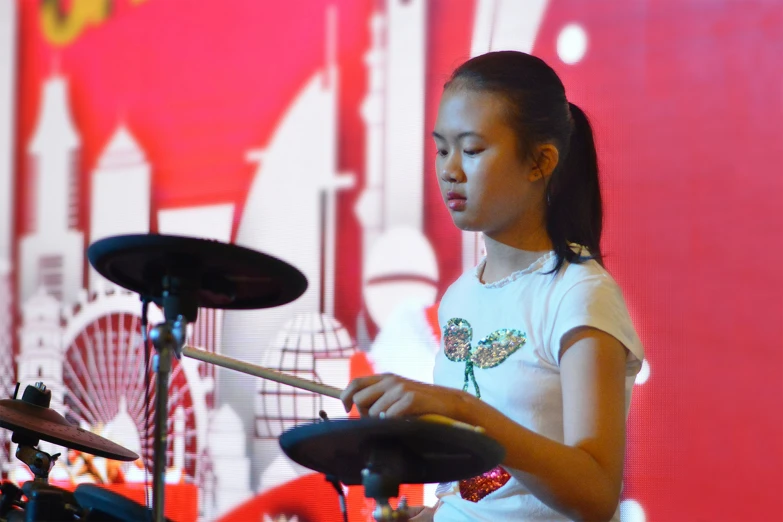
574	212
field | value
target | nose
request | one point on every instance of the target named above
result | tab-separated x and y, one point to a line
451	170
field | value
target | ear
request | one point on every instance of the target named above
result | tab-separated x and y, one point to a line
546	160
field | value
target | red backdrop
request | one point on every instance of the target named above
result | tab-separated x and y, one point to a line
686	101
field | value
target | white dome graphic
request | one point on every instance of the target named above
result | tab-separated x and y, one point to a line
315	347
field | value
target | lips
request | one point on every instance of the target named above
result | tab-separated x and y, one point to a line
456	201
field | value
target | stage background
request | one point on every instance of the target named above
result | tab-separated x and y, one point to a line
302	129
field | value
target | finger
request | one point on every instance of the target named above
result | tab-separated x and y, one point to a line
356	385
367	397
393	392
403	405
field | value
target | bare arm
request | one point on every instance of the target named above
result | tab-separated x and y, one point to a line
580	478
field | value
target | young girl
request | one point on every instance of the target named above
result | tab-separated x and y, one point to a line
538	347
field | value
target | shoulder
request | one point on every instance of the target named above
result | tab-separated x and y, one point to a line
585	294
586	287
588	274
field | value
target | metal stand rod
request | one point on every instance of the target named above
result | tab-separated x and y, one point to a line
167	338
162	366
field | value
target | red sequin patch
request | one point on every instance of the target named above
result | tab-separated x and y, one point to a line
476	488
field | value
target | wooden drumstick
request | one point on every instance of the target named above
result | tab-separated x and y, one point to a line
260	371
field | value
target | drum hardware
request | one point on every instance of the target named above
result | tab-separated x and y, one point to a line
181	275
379	477
382	454
331	479
10	501
31	420
103	505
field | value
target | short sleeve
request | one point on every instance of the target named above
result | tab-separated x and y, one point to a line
596	302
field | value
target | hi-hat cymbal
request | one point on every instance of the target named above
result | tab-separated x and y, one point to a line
38	422
408	451
214	274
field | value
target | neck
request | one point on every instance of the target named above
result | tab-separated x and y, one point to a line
504	259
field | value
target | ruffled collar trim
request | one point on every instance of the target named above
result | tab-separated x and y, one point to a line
536	265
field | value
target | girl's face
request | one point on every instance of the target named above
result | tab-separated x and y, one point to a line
485	184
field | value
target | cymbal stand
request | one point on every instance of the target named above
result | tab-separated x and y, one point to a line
179	308
39	462
380	482
44	502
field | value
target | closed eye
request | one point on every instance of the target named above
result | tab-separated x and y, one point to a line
472	152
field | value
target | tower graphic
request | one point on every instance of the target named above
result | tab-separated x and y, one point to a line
51	254
398	262
40	346
8	103
120	195
86	346
6	357
298	190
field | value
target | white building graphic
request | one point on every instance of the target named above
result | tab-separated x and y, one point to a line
120	195
283	217
393	111
229	481
86	346
40	346
290	214
8	69
52	254
6	357
398	262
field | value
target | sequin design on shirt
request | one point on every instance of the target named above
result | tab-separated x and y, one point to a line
488	353
491	351
476	488
497	347
457	336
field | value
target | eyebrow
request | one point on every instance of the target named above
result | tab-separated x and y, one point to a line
461	135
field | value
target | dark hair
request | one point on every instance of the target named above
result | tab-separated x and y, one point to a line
540	113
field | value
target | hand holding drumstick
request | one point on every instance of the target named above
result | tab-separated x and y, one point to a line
408	397
384	395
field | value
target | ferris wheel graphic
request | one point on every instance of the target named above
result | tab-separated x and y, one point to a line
103	377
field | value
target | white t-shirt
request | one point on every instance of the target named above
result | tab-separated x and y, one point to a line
534	310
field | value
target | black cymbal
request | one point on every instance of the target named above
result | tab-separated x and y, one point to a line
38	422
409	451
214	274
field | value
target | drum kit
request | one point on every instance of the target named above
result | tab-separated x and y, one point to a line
181	275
